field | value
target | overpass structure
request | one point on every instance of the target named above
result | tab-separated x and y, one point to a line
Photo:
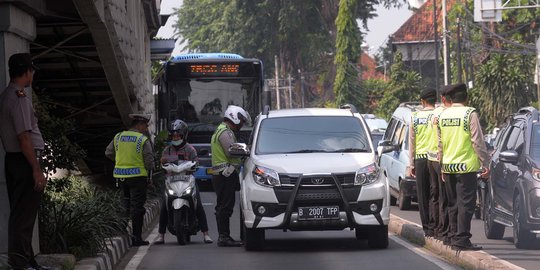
95	61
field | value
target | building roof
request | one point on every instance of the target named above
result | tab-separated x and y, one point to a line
369	68
419	27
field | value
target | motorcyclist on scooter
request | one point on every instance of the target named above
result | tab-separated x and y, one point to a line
180	149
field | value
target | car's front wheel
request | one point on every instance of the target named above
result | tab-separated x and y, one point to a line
522	237
492	229
253	239
378	237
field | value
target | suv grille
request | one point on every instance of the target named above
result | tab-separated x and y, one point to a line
292	179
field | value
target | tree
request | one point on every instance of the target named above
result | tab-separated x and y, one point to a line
347	83
403	86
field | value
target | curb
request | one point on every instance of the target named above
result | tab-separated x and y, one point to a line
478	260
118	246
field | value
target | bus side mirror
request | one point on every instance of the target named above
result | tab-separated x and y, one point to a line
239	149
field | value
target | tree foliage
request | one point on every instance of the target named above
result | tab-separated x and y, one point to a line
302	33
498	58
347	83
59	152
403	86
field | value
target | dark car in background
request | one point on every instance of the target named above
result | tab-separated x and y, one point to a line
513	192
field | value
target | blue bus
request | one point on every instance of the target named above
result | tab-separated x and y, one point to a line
197	88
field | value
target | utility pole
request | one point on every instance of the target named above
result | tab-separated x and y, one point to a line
278	105
302	86
446	58
538	69
436	40
290	92
459	69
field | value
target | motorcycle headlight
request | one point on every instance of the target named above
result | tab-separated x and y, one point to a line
266	177
536	174
366	175
187	191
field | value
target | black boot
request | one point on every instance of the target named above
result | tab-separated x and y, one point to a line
227	241
137	241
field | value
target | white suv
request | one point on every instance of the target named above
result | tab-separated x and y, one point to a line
312	169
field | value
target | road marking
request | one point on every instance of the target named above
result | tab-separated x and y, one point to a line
141	251
423	253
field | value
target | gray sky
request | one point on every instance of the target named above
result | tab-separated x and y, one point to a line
386	23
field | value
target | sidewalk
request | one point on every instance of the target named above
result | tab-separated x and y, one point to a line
118	246
467	259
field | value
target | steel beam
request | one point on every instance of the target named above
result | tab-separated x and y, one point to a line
72	54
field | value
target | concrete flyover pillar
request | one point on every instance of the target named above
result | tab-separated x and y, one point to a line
17	28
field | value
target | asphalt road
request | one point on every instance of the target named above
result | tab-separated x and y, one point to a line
284	250
503	249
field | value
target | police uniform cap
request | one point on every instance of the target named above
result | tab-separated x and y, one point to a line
427	93
140	116
21	61
453	88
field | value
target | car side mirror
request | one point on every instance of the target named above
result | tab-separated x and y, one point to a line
239	149
386	146
510	156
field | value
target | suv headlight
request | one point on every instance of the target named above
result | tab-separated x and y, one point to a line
536	174
266	177
366	175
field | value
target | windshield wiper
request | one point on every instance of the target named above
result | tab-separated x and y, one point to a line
305	151
351	150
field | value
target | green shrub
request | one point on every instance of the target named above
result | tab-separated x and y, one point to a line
77	217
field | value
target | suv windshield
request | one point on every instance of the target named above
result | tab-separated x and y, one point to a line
310	134
535	143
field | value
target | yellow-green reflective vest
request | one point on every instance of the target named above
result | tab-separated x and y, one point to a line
219	158
128	146
422	137
458	152
433	147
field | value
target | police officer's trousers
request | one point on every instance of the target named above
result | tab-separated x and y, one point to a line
440	202
225	188
461	191
134	199
24	204
424	193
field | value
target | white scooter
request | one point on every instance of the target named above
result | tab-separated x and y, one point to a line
181	197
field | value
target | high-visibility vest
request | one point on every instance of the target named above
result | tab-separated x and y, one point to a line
219	159
458	152
433	147
129	159
422	137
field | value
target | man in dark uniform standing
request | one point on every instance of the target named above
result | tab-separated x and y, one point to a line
24	144
132	153
463	153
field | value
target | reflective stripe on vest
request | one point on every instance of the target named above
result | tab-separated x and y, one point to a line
433	147
219	159
422	139
458	152
129	160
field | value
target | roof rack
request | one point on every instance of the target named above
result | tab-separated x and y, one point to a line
532	110
349	107
410	105
266	110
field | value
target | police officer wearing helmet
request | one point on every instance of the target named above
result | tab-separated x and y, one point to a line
463	153
23	143
180	149
132	153
225	170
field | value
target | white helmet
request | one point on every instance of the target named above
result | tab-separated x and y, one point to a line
237	114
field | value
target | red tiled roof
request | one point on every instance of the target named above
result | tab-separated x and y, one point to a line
419	27
369	68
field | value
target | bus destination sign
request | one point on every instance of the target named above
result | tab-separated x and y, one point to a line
214	70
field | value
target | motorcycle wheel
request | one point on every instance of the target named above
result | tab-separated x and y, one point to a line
179	226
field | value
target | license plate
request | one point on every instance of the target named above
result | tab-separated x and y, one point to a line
318	212
209	171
